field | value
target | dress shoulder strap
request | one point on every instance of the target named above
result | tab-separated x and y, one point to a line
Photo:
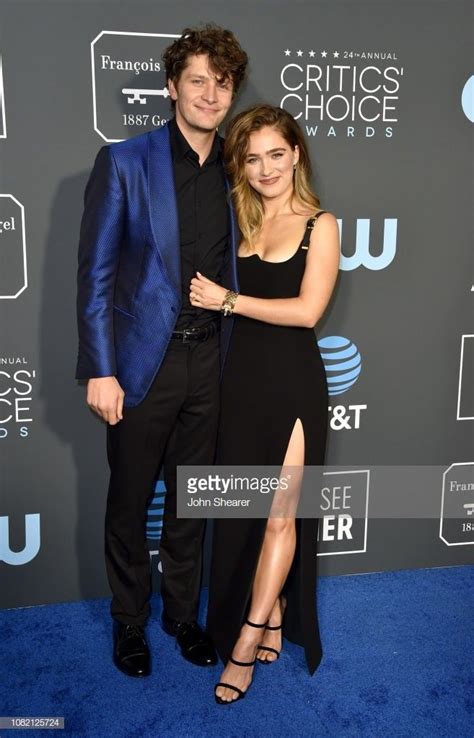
309	227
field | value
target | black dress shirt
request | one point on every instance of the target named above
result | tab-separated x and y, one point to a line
203	220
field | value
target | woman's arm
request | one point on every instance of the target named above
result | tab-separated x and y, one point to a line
322	265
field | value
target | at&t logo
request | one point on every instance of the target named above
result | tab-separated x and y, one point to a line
343	365
154	525
154	522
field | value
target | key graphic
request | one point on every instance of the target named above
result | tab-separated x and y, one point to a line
134	95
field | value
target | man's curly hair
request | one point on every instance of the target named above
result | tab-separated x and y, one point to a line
227	58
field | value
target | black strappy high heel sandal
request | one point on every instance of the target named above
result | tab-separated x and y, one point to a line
273	627
268	648
240	692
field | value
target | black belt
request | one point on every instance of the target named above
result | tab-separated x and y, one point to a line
195	334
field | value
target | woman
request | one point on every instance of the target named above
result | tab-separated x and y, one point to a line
274	392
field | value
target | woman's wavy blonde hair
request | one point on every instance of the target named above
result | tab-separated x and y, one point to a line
248	202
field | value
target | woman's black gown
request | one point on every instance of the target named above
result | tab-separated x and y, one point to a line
272	376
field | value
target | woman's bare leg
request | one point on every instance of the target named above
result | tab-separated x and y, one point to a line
276	557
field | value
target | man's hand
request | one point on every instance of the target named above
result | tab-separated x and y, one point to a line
105	397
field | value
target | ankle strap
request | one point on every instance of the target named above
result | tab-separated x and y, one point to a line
273	627
242	663
255	625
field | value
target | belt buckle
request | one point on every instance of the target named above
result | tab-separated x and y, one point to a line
185	334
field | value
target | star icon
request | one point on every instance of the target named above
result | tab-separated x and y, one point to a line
336	54
324	53
299	53
312	53
287	52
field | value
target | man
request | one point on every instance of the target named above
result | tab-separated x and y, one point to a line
156	211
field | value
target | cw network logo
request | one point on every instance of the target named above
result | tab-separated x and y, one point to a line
362	255
343	365
32	541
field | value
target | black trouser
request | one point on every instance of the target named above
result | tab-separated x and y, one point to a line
176	424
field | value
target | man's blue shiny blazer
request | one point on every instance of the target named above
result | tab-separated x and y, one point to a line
129	277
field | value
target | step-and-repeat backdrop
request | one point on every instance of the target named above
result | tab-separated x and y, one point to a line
384	93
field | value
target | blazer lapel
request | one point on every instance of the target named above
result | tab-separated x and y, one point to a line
162	204
234	240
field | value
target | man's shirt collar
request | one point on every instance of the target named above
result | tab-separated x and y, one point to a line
182	149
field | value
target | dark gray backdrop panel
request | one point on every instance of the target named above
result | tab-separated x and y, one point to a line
407	320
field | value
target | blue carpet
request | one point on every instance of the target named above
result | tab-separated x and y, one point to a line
398	661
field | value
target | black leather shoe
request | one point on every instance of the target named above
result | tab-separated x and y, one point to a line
131	652
196	645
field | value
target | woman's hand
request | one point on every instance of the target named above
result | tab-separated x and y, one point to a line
206	294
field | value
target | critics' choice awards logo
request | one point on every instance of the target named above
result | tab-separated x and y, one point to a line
13	273
17	384
3	122
31	538
343	365
457	505
129	83
344	505
341	93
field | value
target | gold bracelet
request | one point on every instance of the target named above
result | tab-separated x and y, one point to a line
227	307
